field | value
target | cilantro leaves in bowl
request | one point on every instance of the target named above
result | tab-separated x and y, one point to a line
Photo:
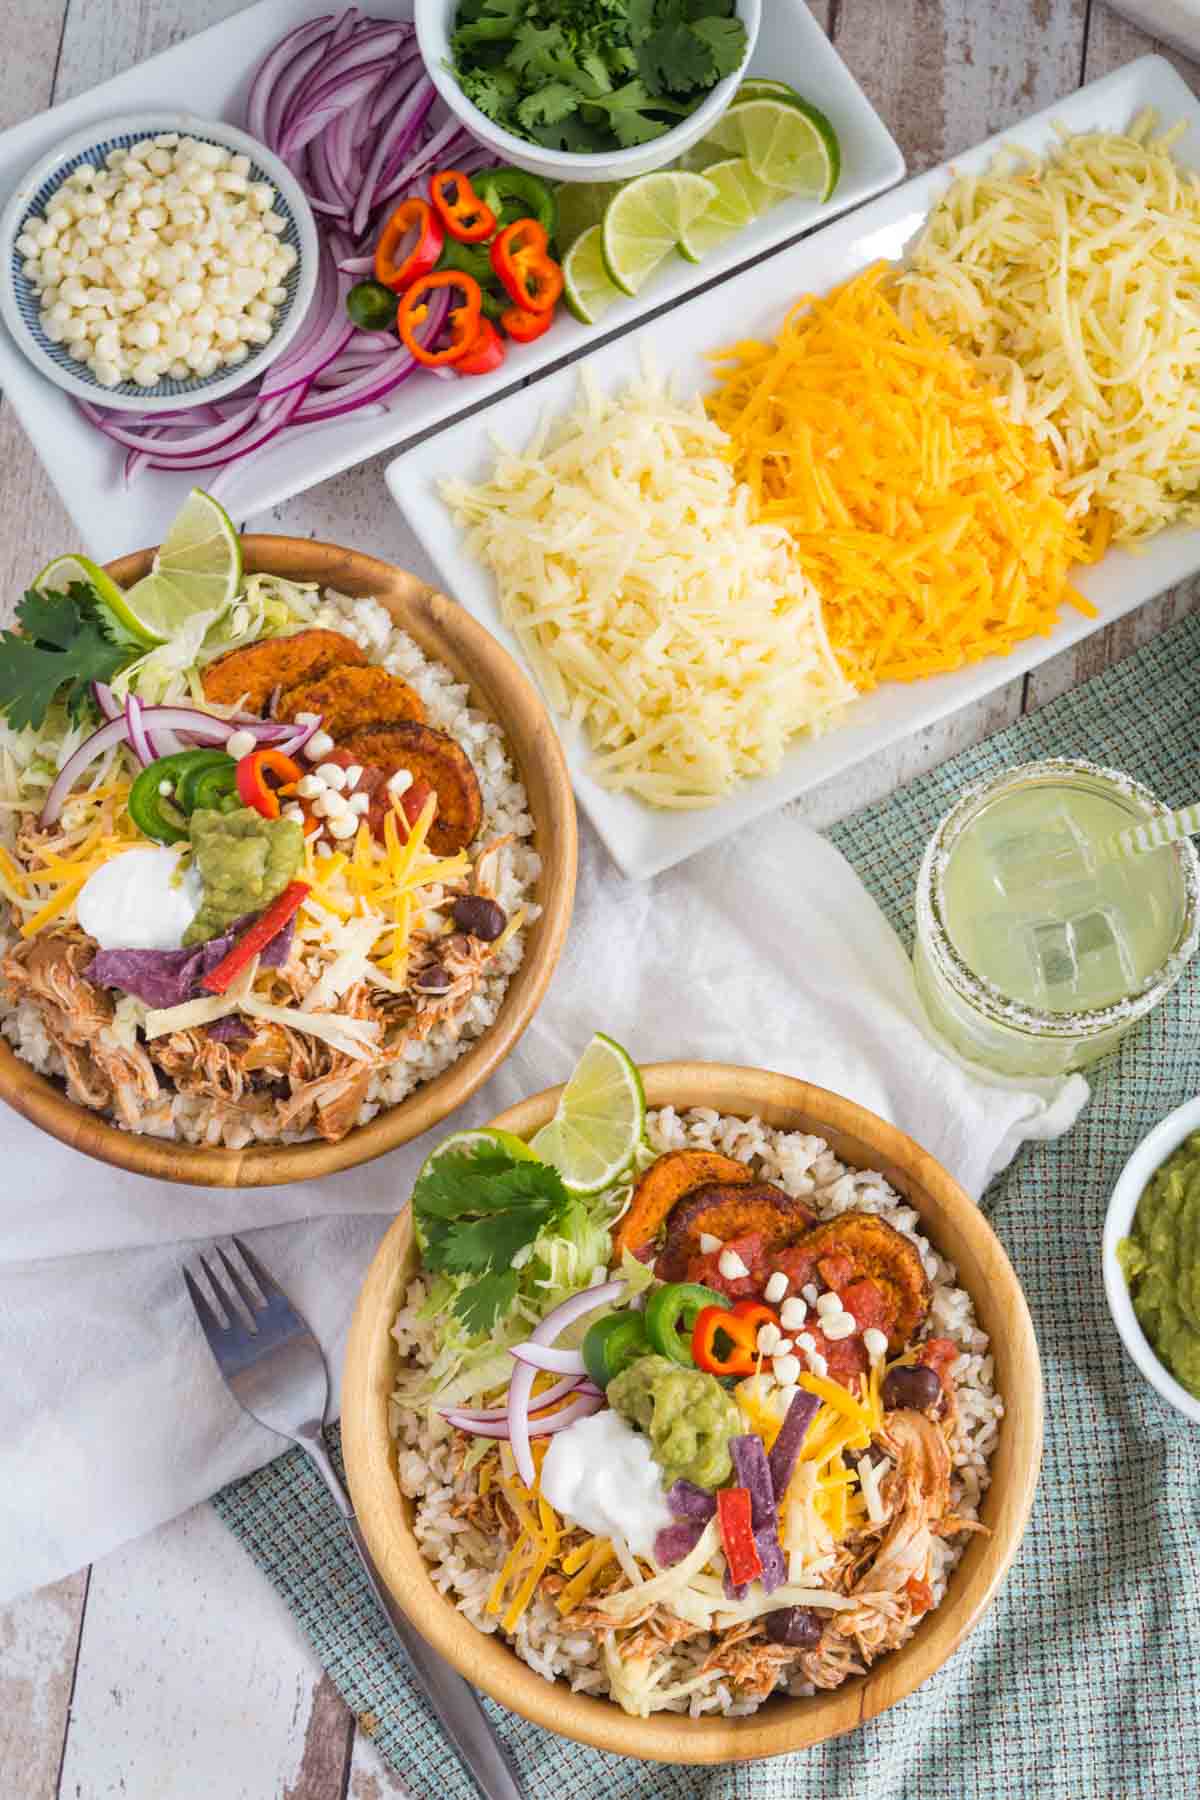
593	76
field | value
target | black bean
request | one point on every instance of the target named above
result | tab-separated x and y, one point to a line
917	1387
478	917
433	980
799	1627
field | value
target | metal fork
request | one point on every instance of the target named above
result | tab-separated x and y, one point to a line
275	1369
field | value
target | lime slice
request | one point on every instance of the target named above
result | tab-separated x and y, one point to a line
589	293
600	1121
486	1138
762	87
741	196
787	143
58	575
198	569
645	221
700	156
581	204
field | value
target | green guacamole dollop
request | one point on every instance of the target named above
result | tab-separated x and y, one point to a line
687	1415
1161	1262
243	861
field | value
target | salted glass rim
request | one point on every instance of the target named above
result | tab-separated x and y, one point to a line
983	995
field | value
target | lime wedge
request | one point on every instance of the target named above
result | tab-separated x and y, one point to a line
741	196
198	569
588	291
645	221
600	1120
581	204
788	144
58	575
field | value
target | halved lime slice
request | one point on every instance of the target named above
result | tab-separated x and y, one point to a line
763	87
600	1120
788	144
645	221
198	569
588	291
581	204
741	196
58	575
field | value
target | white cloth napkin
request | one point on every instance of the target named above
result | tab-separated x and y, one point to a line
766	951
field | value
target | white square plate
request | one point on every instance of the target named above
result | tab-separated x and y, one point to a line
209	75
644	840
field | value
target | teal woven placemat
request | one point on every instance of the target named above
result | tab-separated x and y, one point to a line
1083	1681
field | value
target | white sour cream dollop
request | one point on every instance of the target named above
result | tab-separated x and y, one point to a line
600	1472
138	902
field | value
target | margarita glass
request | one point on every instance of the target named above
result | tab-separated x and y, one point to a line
1037	947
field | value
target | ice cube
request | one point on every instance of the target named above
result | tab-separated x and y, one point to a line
1100	933
1053	945
1045	858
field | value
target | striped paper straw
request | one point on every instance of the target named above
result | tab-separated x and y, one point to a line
1185	822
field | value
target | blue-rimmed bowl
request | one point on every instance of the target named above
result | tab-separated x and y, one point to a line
19	304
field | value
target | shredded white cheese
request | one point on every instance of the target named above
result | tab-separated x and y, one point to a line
655	611
1075	282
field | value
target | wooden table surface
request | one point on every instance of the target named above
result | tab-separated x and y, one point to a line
170	1670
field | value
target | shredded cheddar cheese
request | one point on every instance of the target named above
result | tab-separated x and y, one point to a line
927	518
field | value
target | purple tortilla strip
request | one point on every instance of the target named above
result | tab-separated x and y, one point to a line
232	1029
785	1451
687	1501
164	978
674	1542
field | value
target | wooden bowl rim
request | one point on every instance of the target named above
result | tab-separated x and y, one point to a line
448	633
960	1233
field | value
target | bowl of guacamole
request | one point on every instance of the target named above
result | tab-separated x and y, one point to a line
1152	1258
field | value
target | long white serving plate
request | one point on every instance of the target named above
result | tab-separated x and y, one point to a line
209	75
644	840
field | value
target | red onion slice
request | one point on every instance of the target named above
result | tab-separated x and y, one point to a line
100	741
541	1427
139	743
559	1391
520	1388
557	1362
106	700
266	87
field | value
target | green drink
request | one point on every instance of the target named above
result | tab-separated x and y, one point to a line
1037	948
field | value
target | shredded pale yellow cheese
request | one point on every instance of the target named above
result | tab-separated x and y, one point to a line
1074	279
657	611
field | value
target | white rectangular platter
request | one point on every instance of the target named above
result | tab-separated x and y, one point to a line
645	840
209	75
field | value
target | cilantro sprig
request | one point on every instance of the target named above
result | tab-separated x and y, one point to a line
66	642
591	75
475	1209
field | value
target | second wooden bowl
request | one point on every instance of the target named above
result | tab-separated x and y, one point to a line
955	1226
450	636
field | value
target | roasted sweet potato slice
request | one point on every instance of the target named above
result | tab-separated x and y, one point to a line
728	1212
353	696
432	756
665	1182
879	1252
252	674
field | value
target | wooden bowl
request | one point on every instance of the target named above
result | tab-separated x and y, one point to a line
954	1225
448	634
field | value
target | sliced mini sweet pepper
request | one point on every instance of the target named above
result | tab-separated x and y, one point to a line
725	1339
521	258
463	214
462	321
734	1512
256	939
485	354
260	777
524	326
409	244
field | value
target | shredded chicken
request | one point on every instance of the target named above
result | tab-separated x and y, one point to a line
49	971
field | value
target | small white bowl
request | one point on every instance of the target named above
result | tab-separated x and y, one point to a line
19	305
434	20
1150	1155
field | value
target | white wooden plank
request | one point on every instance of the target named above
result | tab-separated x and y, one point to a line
194	1680
946	73
1112	42
39	1637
